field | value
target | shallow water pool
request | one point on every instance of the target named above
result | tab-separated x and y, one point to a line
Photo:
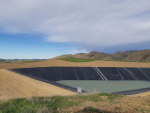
106	86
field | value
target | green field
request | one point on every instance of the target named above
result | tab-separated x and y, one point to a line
77	59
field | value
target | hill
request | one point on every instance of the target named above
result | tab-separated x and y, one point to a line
131	56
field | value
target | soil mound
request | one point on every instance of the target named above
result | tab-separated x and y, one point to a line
13	85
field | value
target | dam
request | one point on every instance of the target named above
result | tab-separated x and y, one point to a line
90	79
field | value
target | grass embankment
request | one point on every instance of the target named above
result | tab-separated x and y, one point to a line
77	59
55	104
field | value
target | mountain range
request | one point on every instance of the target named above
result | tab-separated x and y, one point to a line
131	55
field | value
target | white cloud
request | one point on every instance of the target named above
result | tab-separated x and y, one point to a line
78	51
57	39
144	25
86	23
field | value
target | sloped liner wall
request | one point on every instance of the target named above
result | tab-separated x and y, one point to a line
52	74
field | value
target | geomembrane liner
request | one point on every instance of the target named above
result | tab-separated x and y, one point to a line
54	74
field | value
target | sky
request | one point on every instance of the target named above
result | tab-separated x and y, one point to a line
31	29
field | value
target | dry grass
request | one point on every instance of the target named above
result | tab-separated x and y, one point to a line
97	63
83	103
13	85
119	105
50	104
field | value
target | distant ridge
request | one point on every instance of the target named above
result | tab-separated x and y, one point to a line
132	55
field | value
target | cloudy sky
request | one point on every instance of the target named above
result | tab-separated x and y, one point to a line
47	28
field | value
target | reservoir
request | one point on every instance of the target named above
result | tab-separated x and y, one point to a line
92	79
106	86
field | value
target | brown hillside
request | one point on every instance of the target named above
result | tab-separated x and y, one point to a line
81	55
147	59
64	56
97	55
120	55
107	58
133	55
141	56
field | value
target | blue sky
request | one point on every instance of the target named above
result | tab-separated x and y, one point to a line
30	46
48	28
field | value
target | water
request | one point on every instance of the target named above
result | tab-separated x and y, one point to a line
106	86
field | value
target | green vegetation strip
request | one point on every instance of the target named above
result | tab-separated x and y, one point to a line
50	104
77	60
89	60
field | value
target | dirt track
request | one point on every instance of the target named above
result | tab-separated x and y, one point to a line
13	85
98	63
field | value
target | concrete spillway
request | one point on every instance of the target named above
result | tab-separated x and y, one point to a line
53	74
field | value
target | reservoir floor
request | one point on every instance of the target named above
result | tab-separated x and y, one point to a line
106	86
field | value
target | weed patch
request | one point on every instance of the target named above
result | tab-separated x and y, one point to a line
110	96
51	104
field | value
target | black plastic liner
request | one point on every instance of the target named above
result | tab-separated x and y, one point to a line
52	82
86	73
53	74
